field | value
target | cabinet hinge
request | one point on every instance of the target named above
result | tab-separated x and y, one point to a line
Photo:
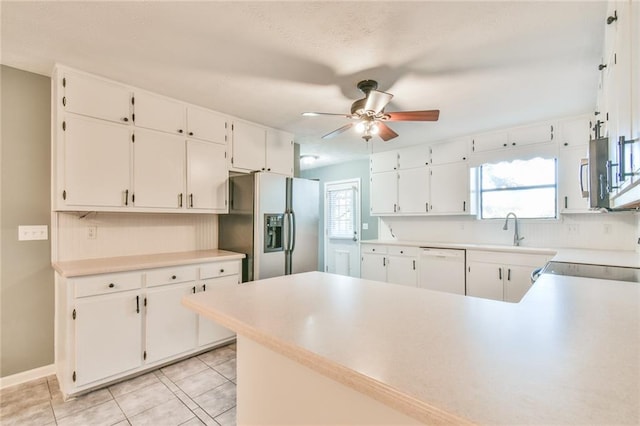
133	118
607	116
225	203
64	82
469	269
225	136
615	58
225	153
225	124
133	198
144	355
144	302
64	126
73	314
133	100
73	376
232	128
473	145
64	101
133	137
231	160
64	194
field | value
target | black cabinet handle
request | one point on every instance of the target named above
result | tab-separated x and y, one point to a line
204	287
222	271
269	169
126	197
194	289
111	285
173	277
509	274
137	304
190	133
180	200
191	200
500	273
180	131
125	119
384	261
602	66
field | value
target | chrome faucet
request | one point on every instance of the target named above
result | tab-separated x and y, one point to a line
516	237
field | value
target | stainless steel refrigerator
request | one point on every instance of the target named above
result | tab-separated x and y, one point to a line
273	220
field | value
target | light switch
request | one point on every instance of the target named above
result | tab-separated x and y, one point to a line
33	232
365	225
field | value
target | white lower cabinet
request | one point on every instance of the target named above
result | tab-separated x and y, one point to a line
110	326
392	264
501	276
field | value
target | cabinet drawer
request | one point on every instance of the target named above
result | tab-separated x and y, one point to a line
219	269
170	275
108	283
370	248
506	258
403	250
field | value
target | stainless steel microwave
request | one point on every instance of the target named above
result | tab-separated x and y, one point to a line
595	174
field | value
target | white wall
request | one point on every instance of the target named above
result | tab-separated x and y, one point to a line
126	234
608	231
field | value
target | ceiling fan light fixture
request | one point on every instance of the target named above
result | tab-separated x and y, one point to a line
308	160
374	128
361	127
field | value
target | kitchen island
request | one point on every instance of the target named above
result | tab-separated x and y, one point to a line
321	348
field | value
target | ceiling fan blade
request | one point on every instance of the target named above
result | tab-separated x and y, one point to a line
314	114
385	132
376	101
430	115
338	131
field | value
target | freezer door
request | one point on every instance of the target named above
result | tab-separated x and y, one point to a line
305	206
270	200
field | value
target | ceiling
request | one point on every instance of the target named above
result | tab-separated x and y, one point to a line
485	65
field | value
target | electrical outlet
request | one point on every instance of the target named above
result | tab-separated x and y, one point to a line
92	232
365	226
33	232
573	228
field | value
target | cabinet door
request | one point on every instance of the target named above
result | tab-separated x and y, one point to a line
108	333
450	152
384	161
402	270
373	267
517	282
384	192
414	156
159	113
450	188
413	190
489	142
485	280
569	170
249	142
97	98
206	125
279	152
96	163
531	135
158	170
206	176
210	331
171	328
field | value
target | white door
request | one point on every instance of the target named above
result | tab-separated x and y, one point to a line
171	327
450	188
402	270
374	267
108	335
159	113
206	125
96	160
413	190
384	192
248	146
516	282
158	170
279	152
210	331
342	227
95	97
485	280
206	176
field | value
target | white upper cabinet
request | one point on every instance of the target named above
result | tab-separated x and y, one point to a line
531	135
95	97
450	189
158	170
249	145
279	152
489	142
384	161
159	113
206	125
413	190
572	177
96	163
413	156
206	176
450	152
384	192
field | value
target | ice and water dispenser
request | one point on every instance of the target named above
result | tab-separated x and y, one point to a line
273	232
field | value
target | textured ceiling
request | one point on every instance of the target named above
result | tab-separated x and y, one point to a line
485	65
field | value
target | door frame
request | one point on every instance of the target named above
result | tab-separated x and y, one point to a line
358	219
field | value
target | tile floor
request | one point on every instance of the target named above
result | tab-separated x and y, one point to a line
199	390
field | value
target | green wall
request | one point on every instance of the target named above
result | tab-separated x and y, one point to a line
349	170
26	276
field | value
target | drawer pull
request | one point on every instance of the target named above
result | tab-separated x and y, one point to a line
111	285
173	277
137	304
222	271
204	287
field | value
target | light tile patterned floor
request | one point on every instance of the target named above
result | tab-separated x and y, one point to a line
196	391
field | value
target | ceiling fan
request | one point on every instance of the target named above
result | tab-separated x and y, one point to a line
369	115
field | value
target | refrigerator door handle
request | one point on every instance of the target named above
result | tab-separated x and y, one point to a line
292	224
287	232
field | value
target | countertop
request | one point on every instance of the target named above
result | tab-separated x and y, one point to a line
626	258
568	353
75	268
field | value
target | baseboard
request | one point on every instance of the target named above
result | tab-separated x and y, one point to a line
27	376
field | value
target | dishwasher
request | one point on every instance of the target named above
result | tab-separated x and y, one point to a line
442	270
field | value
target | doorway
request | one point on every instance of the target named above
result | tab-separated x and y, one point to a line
342	227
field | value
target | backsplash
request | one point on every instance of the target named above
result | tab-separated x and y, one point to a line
607	231
126	234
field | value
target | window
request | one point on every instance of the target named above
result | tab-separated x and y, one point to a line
340	211
526	187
